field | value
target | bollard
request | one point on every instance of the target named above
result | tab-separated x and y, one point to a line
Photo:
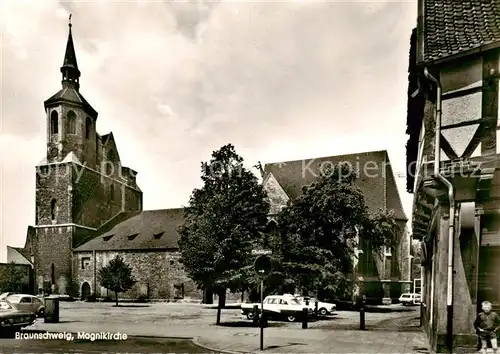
362	317
421	313
256	315
305	312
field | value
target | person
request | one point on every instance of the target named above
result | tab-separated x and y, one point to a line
487	324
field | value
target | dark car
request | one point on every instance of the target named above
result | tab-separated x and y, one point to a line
12	319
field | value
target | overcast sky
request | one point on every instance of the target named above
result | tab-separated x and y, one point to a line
175	81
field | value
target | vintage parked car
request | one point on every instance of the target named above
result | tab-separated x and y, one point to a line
4	295
13	319
28	303
278	307
409	299
324	308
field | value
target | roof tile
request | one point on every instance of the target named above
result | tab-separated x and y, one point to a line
143	226
453	26
293	176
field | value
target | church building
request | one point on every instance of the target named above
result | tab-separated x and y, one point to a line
89	208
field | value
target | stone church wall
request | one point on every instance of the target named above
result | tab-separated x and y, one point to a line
98	198
52	251
159	274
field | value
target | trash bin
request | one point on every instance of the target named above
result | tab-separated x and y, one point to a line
51	309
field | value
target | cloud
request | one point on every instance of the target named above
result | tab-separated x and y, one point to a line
176	80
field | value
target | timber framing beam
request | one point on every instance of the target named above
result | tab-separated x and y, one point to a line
483	186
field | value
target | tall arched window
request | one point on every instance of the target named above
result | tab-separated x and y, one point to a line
88	128
71	122
54	123
53	207
52	274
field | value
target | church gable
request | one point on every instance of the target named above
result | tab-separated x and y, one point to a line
293	176
276	194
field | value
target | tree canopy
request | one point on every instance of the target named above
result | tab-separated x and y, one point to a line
12	277
224	220
117	276
318	234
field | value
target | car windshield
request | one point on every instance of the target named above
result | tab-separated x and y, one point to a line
294	302
6	306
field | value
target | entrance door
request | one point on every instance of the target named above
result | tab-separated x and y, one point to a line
489	281
85	291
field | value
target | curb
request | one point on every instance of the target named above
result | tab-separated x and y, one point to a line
197	343
194	340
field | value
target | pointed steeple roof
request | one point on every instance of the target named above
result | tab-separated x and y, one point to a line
70	55
70	81
70	71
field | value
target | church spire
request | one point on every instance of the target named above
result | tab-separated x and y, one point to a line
69	70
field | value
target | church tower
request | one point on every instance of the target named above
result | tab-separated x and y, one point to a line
80	184
71	119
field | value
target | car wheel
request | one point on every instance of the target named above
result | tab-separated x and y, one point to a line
291	318
250	315
41	313
322	311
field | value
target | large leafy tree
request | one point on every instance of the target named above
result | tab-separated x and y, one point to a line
319	231
224	220
12	278
117	276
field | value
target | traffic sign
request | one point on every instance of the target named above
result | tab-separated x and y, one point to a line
260	252
263	266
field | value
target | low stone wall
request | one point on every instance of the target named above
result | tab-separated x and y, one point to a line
158	275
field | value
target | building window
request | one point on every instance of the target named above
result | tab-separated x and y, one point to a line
53	274
112	192
85	262
88	127
71	122
54	123
53	209
158	235
131	237
179	291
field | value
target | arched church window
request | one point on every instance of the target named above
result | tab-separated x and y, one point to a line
54	123
52	274
88	128
53	207
71	122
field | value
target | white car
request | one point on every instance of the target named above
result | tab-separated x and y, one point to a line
410	299
28	303
324	308
277	306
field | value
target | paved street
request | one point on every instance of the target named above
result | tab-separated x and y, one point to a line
388	332
130	345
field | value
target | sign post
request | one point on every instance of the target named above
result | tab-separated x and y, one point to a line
263	267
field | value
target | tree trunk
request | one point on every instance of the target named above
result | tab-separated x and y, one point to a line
116	298
221	304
